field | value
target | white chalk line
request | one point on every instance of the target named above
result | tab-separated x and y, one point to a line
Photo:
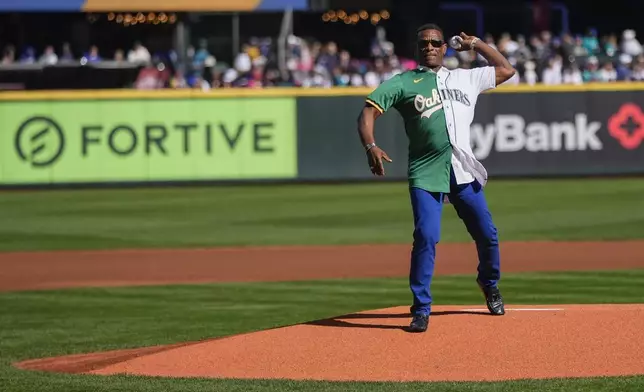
518	310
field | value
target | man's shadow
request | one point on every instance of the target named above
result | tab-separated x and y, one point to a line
339	321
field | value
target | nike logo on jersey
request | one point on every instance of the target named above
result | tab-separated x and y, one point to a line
418	80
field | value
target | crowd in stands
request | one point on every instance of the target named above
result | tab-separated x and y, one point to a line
138	54
541	58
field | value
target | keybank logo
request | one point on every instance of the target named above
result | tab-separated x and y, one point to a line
511	133
627	126
39	141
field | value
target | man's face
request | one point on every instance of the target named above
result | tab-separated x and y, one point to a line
431	48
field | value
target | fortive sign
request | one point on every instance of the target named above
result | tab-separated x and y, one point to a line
143	140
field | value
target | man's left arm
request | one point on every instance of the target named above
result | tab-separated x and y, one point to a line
503	70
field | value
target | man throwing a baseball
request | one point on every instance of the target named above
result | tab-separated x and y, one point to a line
437	106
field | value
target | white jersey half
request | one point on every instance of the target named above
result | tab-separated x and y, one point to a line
460	89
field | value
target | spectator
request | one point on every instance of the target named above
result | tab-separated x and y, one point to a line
272	77
92	56
548	43
178	81
572	75
201	55
340	78
49	57
380	47
265	46
329	58
243	63
624	67
66	54
119	55
229	77
154	75
372	78
539	50
610	45
139	54
489	39
28	56
638	72
552	74
392	68
580	50
523	53
356	80
148	78
252	48
507	45
590	42
8	55
345	60
201	84
630	44
607	73
591	73
568	49
530	73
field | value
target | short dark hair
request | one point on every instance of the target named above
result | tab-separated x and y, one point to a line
430	26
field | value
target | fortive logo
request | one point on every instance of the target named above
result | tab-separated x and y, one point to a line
39	141
627	126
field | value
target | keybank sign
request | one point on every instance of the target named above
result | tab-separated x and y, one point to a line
149	140
614	127
511	133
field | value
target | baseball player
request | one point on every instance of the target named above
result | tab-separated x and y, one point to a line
437	106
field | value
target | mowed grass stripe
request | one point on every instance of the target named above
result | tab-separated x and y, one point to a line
582	209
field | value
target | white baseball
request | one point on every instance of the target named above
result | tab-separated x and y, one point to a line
455	42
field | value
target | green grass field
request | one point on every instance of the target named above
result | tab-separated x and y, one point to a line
307	214
48	323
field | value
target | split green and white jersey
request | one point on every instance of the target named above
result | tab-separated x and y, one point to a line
437	109
416	97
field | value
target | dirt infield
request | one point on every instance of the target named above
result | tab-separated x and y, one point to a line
462	344
47	270
565	341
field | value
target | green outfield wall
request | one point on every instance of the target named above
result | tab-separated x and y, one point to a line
103	137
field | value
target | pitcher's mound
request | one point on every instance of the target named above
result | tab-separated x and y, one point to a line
463	343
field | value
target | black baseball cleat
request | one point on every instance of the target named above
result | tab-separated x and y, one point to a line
419	323
493	299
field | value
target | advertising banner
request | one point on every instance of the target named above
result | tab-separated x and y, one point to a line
147	140
562	133
566	133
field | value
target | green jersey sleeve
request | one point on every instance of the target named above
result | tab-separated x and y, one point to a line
388	94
